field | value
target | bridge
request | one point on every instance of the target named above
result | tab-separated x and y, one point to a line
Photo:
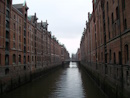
71	60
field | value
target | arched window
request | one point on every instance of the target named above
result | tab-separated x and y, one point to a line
126	54
14	58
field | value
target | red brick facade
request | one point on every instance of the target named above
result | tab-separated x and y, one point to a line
24	41
105	44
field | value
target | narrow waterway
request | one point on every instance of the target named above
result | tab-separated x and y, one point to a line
70	81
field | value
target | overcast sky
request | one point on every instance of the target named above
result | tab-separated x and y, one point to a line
66	18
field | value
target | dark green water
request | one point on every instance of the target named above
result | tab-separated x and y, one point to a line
66	82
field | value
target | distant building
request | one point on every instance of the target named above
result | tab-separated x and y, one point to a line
73	57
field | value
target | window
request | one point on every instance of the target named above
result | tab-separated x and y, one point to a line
7	46
24	33
108	27
7	35
19	38
14	36
117	13
7	13
14	26
107	7
114	58
120	60
95	28
8	3
6	59
127	77
7	24
19	29
0	19
14	58
24	41
112	18
123	4
24	25
28	58
24	59
0	58
24	49
28	34
14	45
19	46
14	16
102	56
19	58
32	58
20	20
25	16
126	53
28	41
6	71
110	55
125	24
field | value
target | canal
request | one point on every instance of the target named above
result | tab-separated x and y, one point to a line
69	81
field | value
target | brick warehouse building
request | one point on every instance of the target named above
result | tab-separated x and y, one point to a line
105	46
26	46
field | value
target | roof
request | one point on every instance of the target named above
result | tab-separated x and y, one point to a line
29	18
17	10
18	5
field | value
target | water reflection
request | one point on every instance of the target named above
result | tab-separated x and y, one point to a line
66	82
69	84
